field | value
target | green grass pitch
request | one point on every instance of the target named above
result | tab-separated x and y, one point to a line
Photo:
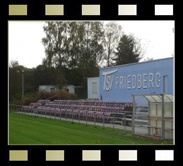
30	130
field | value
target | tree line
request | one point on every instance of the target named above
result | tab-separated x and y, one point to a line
74	51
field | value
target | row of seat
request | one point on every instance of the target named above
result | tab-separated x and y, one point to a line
86	107
63	112
43	101
94	103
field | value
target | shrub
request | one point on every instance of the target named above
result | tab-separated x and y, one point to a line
18	102
42	95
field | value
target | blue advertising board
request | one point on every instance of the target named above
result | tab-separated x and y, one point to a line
119	83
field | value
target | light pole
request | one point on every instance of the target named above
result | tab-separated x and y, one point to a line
22	86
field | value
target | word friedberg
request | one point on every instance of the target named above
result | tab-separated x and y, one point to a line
146	80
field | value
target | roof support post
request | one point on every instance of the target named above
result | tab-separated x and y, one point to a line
133	117
163	120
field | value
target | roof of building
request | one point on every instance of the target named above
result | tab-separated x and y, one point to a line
137	63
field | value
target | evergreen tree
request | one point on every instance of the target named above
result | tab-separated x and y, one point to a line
128	51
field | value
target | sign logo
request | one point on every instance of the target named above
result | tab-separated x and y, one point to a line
108	79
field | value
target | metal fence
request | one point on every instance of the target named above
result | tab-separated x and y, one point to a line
95	118
15	108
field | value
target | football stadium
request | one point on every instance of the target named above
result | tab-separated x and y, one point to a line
126	105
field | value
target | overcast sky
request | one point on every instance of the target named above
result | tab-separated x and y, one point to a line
156	38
